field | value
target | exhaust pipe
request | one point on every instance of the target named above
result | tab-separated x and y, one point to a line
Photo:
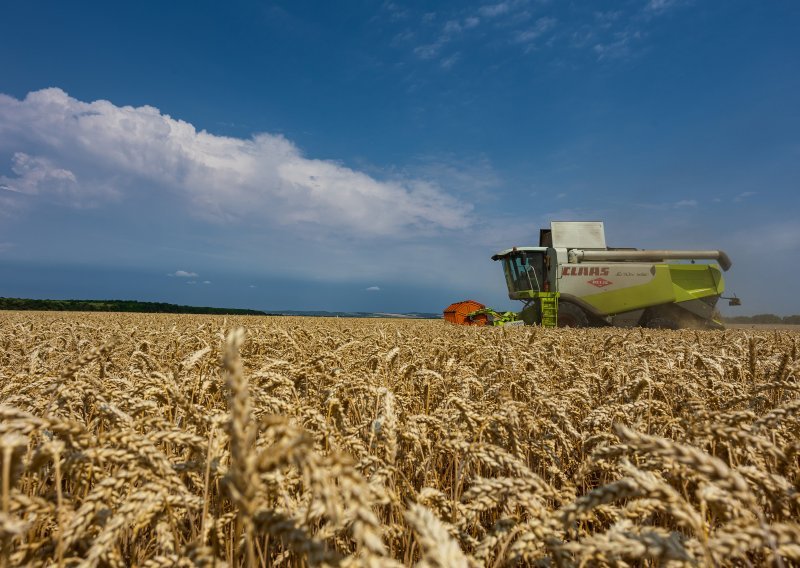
651	256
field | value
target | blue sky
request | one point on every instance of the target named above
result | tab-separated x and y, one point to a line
372	155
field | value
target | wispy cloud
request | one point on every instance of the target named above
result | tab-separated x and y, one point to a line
449	31
79	154
461	27
472	176
373	289
471	22
744	195
624	33
430	50
775	238
666	205
608	18
450	61
206	281
395	11
618	46
494	10
183	274
610	35
660	6
540	27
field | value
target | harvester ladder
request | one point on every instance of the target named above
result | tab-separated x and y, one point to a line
549	304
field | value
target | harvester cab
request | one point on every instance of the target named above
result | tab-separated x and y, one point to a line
531	277
573	279
528	270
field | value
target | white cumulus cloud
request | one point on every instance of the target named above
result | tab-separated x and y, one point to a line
82	153
36	174
183	274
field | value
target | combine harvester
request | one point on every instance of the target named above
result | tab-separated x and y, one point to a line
572	279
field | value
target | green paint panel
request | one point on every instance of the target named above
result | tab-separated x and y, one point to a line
657	291
693	281
671	283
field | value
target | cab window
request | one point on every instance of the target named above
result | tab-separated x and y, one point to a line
524	271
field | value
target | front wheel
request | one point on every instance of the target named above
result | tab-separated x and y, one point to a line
570	315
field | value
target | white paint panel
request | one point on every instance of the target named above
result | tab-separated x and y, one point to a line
578	234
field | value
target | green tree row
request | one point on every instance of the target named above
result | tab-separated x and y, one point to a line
117	306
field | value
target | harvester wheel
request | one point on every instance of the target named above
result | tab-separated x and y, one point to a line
570	315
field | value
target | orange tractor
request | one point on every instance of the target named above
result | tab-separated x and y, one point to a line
470	312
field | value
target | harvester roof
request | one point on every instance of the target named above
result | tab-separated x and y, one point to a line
505	253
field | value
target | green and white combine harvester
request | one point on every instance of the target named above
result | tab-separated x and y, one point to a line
573	279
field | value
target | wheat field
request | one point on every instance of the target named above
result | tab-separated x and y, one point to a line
160	440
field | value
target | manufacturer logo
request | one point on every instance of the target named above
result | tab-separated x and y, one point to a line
584	271
600	282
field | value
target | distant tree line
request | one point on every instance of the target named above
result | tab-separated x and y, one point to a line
765	318
118	306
